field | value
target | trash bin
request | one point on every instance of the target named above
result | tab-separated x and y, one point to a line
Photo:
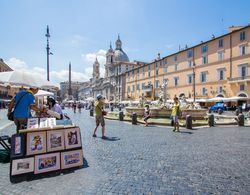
134	118
189	122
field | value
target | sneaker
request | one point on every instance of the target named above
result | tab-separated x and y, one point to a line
104	137
174	130
94	135
177	130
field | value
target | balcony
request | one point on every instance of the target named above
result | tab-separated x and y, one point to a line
239	79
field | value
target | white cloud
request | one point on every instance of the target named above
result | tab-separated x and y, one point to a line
15	63
55	76
89	59
58	76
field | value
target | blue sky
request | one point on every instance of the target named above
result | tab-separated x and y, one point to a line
83	29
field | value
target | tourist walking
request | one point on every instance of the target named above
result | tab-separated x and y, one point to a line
99	112
175	114
22	104
147	114
74	106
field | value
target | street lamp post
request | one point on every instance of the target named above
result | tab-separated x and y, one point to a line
194	82
48	52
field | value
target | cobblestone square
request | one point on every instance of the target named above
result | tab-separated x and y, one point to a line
149	160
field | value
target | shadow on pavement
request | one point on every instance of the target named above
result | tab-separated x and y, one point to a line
112	139
186	132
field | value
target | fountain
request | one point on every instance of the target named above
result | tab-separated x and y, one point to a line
163	107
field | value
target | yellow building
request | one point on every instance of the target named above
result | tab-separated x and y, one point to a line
219	67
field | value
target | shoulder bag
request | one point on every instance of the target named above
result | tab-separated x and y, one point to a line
11	115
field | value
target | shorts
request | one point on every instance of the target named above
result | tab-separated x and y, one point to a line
175	119
20	123
100	119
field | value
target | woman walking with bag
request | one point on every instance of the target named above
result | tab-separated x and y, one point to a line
99	112
175	114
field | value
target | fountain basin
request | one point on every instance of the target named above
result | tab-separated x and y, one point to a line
166	113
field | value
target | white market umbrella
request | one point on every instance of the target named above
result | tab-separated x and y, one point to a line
44	93
236	98
23	78
90	99
217	99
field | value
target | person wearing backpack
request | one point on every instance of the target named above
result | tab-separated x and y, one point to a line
175	114
22	103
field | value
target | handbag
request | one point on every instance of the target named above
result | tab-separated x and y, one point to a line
11	114
104	113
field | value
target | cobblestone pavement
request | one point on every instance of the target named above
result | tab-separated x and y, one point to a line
149	160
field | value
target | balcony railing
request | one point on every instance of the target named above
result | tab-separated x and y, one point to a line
239	79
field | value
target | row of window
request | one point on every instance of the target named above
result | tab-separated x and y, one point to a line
189	63
242	72
204	48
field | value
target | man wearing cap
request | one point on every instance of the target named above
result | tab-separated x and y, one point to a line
99	115
22	103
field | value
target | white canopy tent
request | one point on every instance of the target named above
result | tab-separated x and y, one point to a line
44	93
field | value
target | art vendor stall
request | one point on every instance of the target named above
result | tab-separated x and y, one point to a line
43	148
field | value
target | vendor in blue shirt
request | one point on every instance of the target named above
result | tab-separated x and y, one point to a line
22	103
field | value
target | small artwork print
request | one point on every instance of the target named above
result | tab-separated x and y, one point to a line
72	138
47	162
17	145
43	122
21	166
36	143
32	123
51	122
55	140
72	159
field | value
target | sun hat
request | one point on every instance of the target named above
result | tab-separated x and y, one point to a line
99	97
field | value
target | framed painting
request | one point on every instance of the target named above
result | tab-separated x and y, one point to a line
47	162
17	145
71	159
36	143
22	166
55	140
72	138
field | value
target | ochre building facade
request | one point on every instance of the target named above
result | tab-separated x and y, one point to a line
219	67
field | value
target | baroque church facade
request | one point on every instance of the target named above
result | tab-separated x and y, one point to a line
112	86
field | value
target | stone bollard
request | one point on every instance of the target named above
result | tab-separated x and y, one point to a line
121	116
237	112
134	118
241	120
111	108
91	112
220	111
211	120
189	122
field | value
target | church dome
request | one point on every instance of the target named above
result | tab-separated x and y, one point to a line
119	54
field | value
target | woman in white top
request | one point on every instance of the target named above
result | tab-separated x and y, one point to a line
55	107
